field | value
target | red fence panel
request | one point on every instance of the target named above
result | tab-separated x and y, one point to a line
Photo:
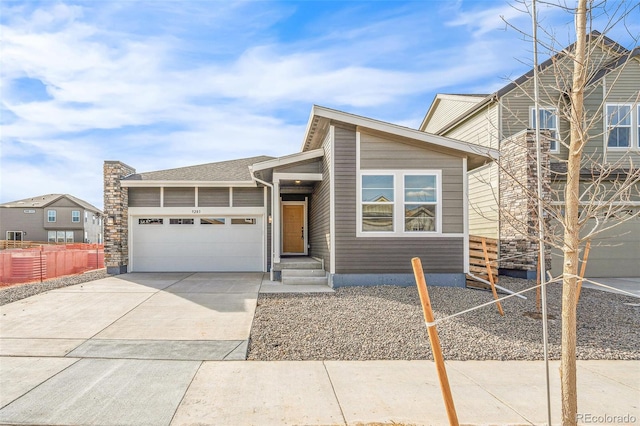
45	262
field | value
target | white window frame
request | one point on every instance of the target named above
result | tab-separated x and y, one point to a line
608	127
437	203
556	130
75	216
50	216
392	203
398	204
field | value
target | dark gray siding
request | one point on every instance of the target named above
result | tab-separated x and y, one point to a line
269	227
248	197
319	210
213	197
382	153
380	255
144	197
179	197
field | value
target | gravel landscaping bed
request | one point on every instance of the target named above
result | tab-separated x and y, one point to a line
386	322
21	291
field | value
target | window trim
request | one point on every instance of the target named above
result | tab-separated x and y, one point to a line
73	217
54	216
392	203
398	204
554	111
630	127
437	203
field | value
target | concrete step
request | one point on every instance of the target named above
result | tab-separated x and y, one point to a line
305	281
303	273
302	264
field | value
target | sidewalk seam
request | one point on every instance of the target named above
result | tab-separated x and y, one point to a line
185	393
324	365
491	393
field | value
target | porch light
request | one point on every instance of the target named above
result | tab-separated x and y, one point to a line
298	182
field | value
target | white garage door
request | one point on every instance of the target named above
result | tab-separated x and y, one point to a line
615	253
195	244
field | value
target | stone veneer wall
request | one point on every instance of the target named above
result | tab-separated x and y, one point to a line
116	213
518	207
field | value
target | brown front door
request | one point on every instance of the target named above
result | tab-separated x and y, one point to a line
293	228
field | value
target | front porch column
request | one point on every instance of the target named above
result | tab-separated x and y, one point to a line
276	223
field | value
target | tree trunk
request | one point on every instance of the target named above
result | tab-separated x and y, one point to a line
572	229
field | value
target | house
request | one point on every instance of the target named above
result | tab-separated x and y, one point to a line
504	120
56	218
362	197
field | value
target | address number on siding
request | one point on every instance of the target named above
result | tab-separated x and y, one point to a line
195	211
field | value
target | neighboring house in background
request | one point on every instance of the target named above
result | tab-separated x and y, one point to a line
55	218
362	197
504	121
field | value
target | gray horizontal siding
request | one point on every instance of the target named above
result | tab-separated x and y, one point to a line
310	167
179	197
144	197
248	197
380	153
320	210
213	197
381	255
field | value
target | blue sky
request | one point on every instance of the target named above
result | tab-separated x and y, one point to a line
164	84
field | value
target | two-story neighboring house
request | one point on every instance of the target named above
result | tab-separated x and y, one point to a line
56	218
504	120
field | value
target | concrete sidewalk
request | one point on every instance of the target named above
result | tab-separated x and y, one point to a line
63	391
161	349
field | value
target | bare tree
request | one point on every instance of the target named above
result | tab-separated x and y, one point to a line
589	195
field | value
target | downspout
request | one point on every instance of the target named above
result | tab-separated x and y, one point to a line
270	185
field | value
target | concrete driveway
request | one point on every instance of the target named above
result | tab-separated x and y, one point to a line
120	350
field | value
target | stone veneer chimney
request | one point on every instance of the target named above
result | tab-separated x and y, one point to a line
116	212
518	207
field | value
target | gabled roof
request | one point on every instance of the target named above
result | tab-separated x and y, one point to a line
47	200
223	171
624	55
321	117
471	99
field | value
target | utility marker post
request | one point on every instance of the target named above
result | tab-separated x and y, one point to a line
418	273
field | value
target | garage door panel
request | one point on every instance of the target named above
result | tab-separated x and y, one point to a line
613	253
197	248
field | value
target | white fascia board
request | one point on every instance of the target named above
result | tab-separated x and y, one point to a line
185	183
196	211
277	177
288	159
381	126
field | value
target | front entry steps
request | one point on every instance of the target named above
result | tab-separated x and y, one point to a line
304	277
302	271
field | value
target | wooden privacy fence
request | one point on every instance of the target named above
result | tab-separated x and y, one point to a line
478	263
49	261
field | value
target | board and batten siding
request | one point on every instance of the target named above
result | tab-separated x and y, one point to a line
179	197
144	197
380	255
320	211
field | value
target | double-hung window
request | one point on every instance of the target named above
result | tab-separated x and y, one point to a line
548	121
618	126
51	215
420	203
399	203
378	195
75	216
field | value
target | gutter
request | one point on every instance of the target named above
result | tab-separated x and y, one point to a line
270	185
